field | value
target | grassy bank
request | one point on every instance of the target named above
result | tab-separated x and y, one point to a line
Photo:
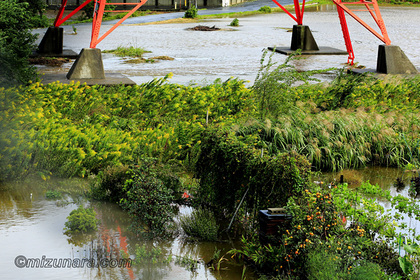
76	130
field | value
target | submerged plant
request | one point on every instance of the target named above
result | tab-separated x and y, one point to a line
53	194
148	200
200	224
128	51
187	262
234	22
81	220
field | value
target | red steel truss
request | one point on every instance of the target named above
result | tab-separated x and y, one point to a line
99	10
370	6
299	10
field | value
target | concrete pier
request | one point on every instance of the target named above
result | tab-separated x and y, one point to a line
52	42
392	60
303	39
87	66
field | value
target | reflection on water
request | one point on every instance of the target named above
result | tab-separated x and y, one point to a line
32	226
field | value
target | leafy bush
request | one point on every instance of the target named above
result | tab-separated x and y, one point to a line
109	184
230	167
191	12
81	220
265	9
200	224
53	194
322	264
234	22
16	44
148	200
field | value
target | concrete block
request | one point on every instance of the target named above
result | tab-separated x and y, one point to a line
302	39
392	60
88	65
52	42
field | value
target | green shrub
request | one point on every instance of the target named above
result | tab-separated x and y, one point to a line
53	194
265	9
81	220
109	184
229	166
366	271
128	51
234	22
191	12
322	264
200	224
16	44
148	200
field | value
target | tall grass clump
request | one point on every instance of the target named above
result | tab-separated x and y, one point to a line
272	84
130	51
200	224
77	130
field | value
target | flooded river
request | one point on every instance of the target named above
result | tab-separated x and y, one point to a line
31	227
202	57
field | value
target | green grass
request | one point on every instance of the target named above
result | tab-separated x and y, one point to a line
128	51
111	16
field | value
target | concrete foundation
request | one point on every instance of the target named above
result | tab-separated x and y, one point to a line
392	60
52	42
87	66
302	39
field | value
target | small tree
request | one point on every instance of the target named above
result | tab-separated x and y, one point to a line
191	12
35	10
16	44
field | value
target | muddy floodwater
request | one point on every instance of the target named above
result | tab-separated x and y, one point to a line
31	231
202	57
31	226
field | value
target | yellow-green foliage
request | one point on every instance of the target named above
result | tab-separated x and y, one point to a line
75	129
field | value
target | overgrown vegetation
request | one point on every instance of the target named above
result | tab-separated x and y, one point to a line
128	51
16	44
81	220
200	224
148	200
191	12
249	149
265	9
234	22
53	194
35	13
